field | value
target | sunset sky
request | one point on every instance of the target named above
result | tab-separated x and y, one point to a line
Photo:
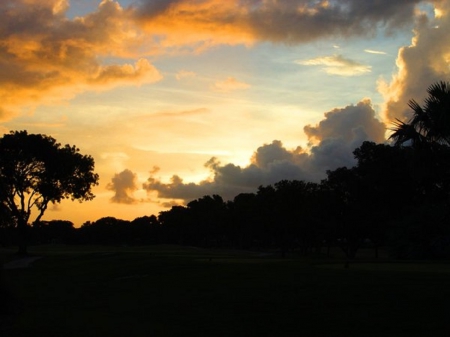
177	99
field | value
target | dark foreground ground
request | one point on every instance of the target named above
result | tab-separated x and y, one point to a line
175	291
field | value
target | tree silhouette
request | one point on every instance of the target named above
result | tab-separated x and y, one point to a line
243	226
430	123
35	170
55	231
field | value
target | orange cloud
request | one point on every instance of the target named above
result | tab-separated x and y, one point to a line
184	74
141	72
197	25
230	84
44	56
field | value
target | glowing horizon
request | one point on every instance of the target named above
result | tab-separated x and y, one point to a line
178	99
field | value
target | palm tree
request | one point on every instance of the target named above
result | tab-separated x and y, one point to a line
430	124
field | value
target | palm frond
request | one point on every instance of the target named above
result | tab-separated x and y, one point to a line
404	132
428	124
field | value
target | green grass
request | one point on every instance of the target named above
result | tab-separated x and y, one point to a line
177	291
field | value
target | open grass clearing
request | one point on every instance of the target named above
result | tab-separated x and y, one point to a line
395	266
179	291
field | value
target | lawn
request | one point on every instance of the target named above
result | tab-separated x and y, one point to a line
177	291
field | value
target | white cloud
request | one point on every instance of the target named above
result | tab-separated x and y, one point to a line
424	62
371	51
337	65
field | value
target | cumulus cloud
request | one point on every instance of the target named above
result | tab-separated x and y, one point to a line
44	54
228	180
332	142
338	65
425	61
230	84
123	185
353	123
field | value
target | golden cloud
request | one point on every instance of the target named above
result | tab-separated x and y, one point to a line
230	84
424	62
45	57
196	25
184	74
44	54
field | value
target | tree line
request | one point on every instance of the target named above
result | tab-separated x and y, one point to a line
396	196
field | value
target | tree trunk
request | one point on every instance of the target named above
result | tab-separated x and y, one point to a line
22	237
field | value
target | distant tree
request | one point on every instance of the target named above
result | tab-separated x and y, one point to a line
146	230
54	231
349	207
243	225
207	217
107	230
428	124
266	217
35	170
297	224
175	224
399	196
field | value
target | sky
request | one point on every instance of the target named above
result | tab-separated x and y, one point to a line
177	99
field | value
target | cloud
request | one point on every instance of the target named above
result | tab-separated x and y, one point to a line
424	62
341	131
230	84
204	23
332	143
228	180
338	65
182	74
371	51
141	72
123	184
183	113
46	57
344	123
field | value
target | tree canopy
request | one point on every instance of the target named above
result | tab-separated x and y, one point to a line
35	170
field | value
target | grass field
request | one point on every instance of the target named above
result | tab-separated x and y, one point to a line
78	291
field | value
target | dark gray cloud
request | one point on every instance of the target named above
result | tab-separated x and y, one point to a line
290	21
334	139
123	184
353	123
